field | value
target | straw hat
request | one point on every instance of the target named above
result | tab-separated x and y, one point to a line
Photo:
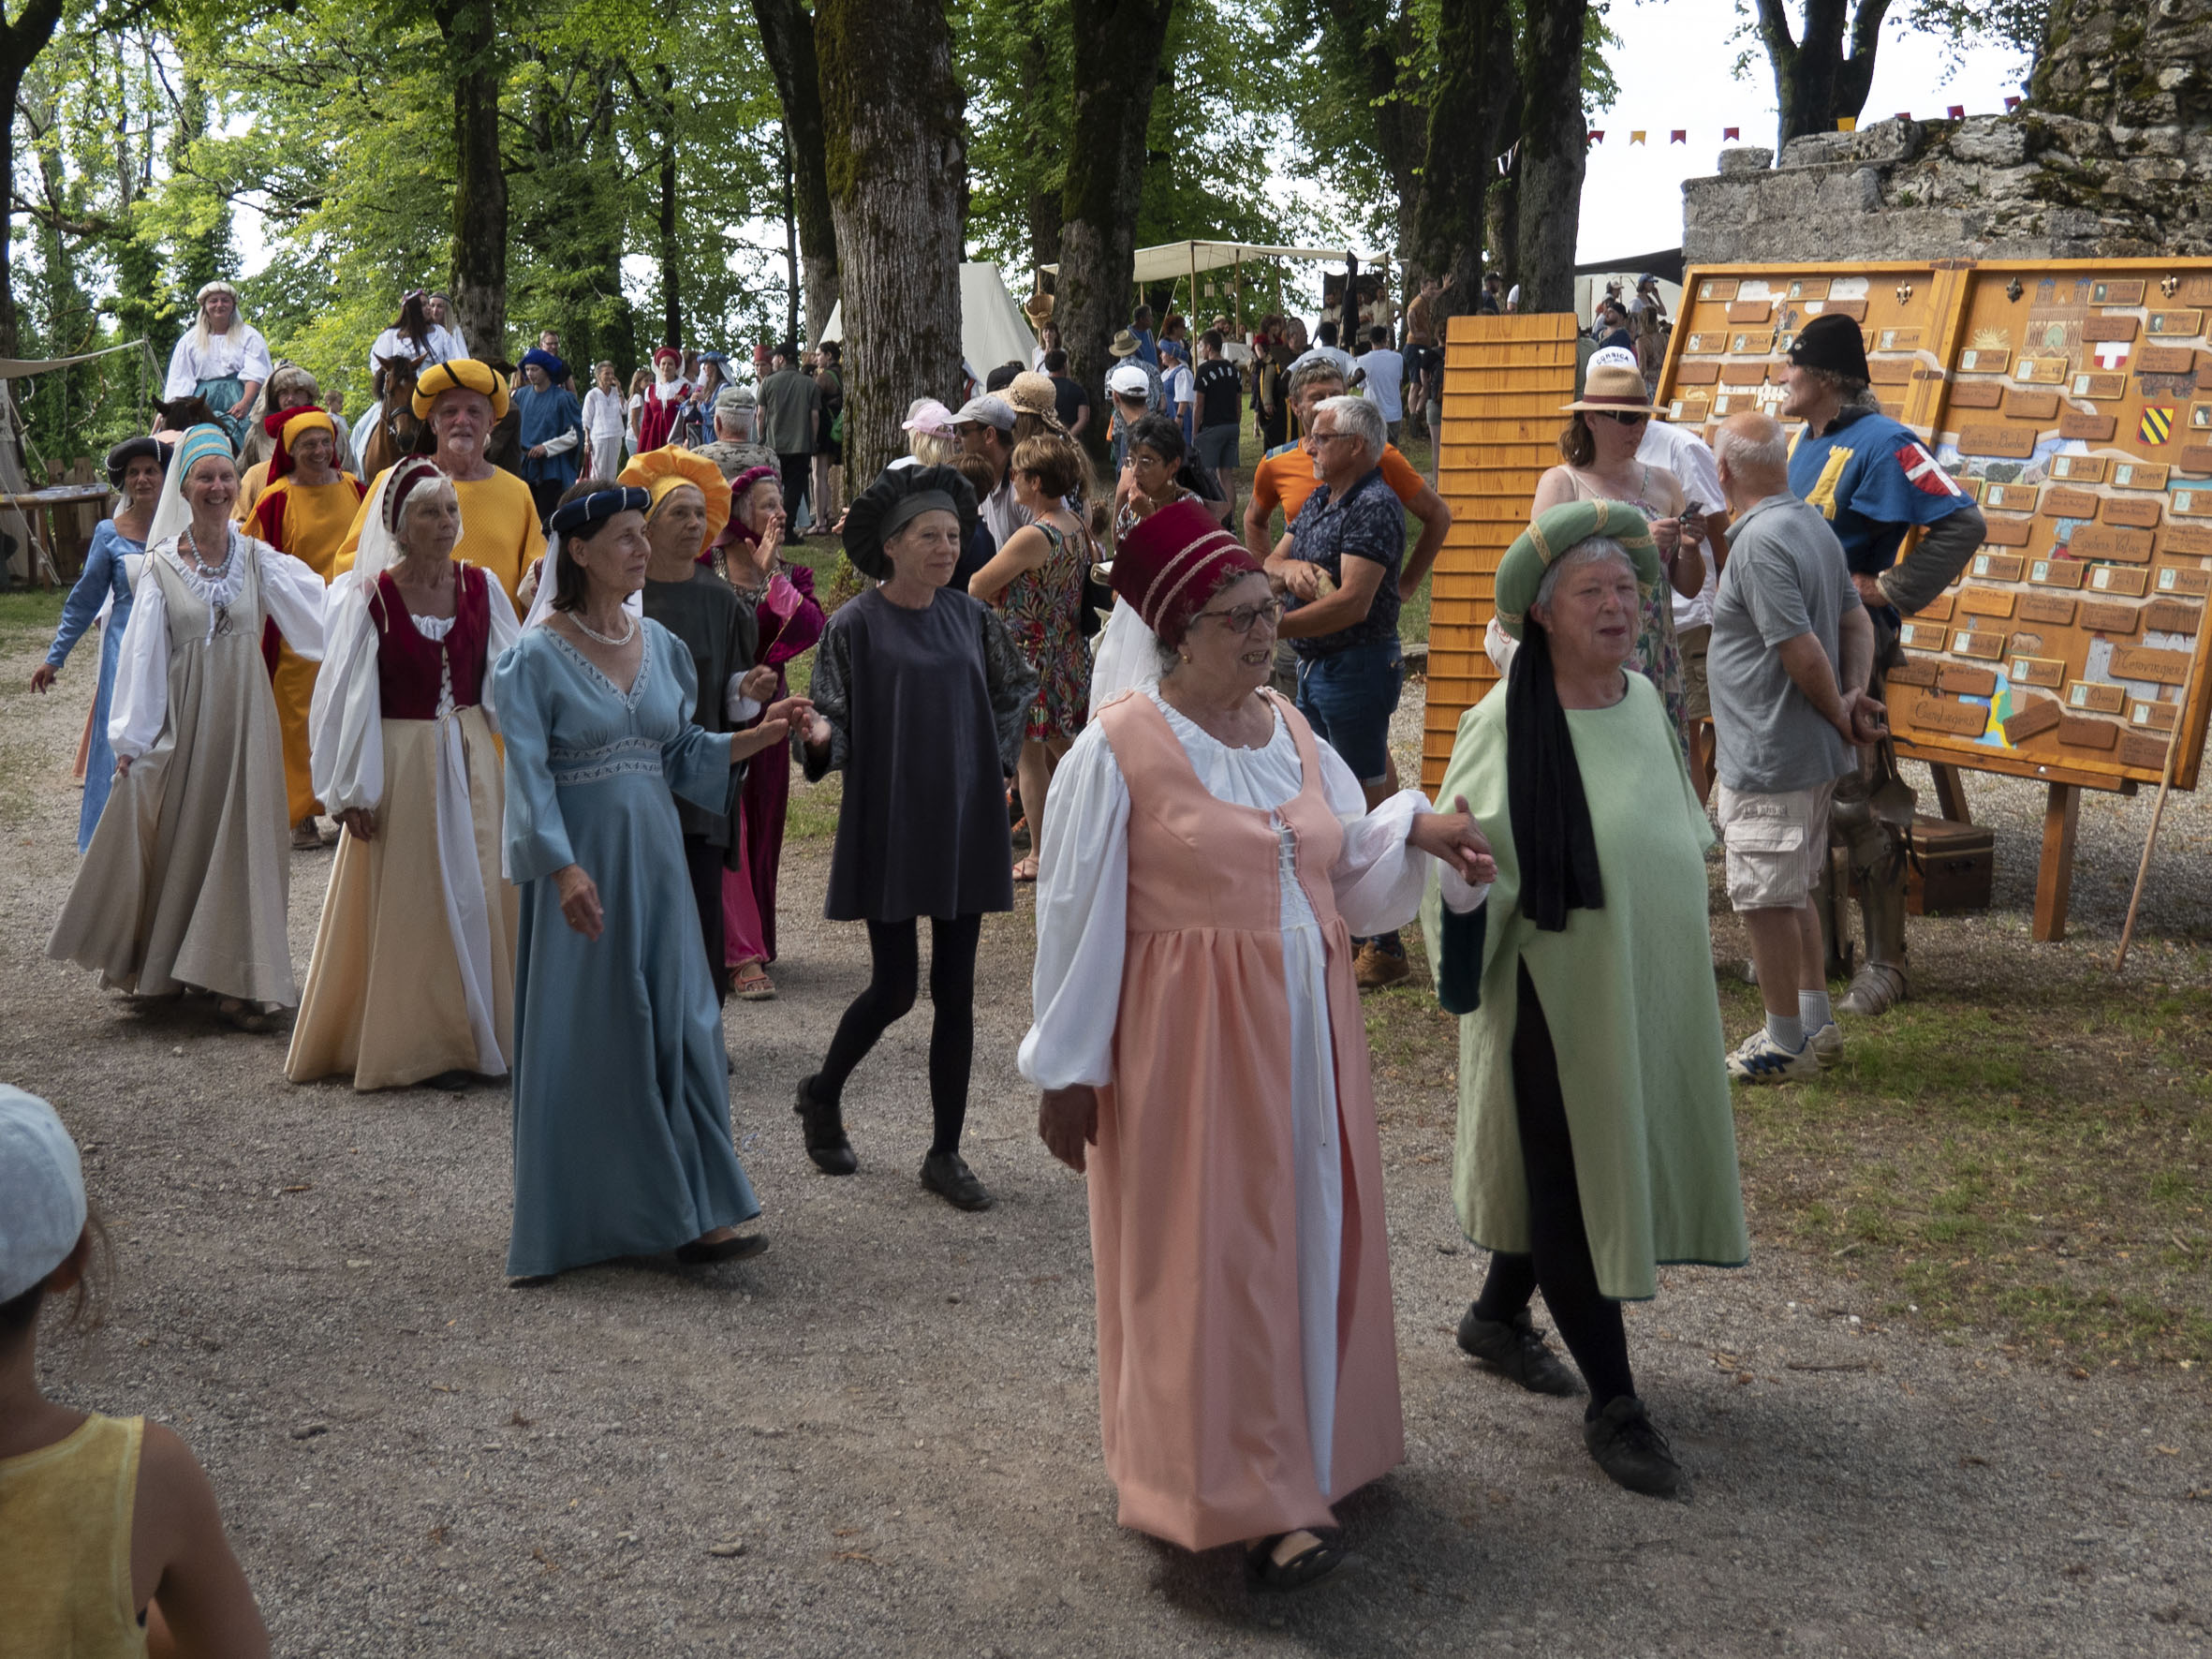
1611	390
1033	395
1125	345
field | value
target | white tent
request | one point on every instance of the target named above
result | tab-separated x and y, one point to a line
1172	259
991	328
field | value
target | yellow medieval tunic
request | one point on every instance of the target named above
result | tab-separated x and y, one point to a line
309	522
499	529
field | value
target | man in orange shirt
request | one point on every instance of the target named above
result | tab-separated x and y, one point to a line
1286	478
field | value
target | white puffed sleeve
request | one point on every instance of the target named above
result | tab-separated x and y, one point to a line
507	628
139	703
345	721
1083	898
1379	877
295	596
738	709
1500	647
253	361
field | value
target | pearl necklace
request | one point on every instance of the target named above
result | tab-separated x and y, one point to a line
589	632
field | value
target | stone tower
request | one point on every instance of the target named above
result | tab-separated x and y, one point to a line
2110	156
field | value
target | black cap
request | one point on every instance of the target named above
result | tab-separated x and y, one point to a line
1832	341
133	449
896	496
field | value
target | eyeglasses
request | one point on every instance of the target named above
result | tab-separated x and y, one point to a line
1328	437
1245	618
1625	417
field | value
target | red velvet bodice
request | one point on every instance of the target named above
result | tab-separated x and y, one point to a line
408	665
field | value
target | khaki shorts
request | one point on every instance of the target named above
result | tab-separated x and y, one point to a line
1775	845
1697	700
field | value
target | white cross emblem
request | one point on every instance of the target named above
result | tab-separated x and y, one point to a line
2112	354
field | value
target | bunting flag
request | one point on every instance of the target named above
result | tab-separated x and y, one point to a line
1680	134
2011	104
1903	114
1596	135
1847	123
1734	135
1957	112
1636	135
1730	132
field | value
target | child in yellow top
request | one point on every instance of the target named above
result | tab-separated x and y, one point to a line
114	1546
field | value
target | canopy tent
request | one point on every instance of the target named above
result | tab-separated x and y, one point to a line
20	539
993	329
22	368
1172	259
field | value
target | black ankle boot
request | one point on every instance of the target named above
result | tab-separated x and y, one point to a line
823	1123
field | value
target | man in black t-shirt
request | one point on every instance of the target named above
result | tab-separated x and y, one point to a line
1220	395
1070	402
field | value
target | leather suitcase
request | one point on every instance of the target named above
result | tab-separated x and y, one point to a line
1950	868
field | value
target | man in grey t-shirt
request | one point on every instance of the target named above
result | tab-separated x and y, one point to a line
1790	653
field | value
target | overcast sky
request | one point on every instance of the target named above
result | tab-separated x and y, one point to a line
1673	67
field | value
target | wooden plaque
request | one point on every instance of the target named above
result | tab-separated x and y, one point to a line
2139	475
1970	487
2176	325
2055	572
1691	411
2096	698
1897	371
1922	636
1984	360
2171	617
1944	714
1753	344
2007	442
1956	680
1987	601
1935	610
2069	503
2080	470
1751	310
2088	429
2086	733
2178	581
2040	371
2007	532
1855	309
1986	646
2130	547
1697	373
1913	671
2040	715
2011	497
1808	287
2146	662
2165	360
2187	541
2190	504
2195	290
2047	607
1998	567
2142	515
1966	395
2196	460
2030	406
2110	328
1897	340
1705	345
2118	579
2114	294
2102	387
1717	287
1742	374
2039	671
2154	717
2138	749
2104	618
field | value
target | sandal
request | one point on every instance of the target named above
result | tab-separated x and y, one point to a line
1308	1567
1025	870
244	1016
753	984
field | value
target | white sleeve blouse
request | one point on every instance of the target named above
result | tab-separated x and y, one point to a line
242	352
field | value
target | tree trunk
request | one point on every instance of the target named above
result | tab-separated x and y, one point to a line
1118	43
1815	83
1401	123
21	42
1470	104
791	252
896	156
787	40
470	28
671	271
1501	222
1554	148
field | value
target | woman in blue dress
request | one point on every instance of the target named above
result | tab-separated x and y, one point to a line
134	471
622	1143
550	428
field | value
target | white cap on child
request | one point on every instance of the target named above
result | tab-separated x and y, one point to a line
41	1192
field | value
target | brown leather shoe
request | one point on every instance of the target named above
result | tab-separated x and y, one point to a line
1375	967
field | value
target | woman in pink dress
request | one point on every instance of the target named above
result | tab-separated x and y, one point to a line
749	555
1199	1046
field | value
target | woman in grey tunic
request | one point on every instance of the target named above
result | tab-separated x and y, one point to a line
920	697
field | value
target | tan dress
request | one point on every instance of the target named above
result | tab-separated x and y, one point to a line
188	876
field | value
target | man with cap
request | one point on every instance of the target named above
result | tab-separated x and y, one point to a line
665	395
1874	480
733	449
1126	348
500	531
1128	391
304	511
550	428
986	427
791	406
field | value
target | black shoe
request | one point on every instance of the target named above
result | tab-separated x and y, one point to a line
824	1125
947	1176
455	1082
1629	1448
734	1249
1513	1348
1323	1560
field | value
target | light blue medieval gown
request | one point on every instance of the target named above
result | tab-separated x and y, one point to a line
622	1143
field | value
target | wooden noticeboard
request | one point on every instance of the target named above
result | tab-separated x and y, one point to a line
2073	399
1504	380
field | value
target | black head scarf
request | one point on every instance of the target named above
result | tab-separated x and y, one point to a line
1551	816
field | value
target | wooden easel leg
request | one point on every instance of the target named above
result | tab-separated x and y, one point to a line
2054	879
1951	793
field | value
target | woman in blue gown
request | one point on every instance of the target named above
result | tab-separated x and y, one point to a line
622	1142
134	472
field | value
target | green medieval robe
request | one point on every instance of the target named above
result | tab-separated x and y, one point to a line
1627	992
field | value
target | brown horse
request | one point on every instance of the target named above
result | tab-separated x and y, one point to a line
399	431
181	414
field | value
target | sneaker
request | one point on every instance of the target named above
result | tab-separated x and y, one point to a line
1513	1348
1759	1058
1632	1451
1826	1045
1375	967
947	1176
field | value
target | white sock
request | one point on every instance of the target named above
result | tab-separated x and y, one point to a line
1786	1032
1813	1011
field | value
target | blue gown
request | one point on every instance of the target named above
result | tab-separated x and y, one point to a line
622	1142
103	575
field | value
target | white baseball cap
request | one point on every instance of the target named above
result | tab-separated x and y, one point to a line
41	1192
1129	380
1612	357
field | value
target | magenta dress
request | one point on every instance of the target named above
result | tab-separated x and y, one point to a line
791	621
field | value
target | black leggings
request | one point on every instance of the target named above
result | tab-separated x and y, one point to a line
704	865
1589	1323
895	953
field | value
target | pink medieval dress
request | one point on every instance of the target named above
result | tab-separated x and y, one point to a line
790	621
1195	914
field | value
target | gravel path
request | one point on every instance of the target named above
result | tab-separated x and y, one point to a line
882	1436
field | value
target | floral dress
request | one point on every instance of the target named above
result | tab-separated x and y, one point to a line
1657	655
1043	610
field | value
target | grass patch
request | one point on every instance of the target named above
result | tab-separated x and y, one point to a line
2039	1170
812	812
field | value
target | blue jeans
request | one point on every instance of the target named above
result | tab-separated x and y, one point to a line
1349	698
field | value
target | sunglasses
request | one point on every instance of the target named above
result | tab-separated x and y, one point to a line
1625	417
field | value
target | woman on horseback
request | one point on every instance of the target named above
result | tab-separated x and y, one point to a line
222	359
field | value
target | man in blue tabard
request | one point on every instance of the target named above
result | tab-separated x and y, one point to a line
1874	479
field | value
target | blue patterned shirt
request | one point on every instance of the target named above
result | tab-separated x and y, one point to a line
1368	523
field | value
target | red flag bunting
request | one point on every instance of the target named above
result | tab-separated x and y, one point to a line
1596	135
1679	135
1958	111
2011	104
1731	132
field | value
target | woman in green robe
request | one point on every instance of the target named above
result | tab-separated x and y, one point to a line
1586	1163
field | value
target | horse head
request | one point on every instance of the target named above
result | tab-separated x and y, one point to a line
179	414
